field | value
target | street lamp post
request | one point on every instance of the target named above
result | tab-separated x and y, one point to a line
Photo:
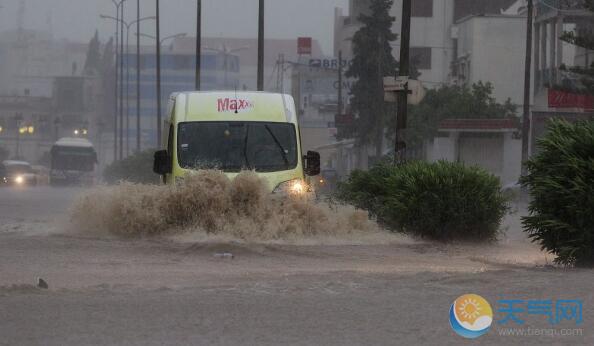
127	26
159	43
127	89
57	123
18	118
118	5
138	77
121	146
261	45
198	42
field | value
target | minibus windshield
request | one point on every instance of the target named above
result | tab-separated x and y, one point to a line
232	146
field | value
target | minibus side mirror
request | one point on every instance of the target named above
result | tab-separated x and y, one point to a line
312	163
162	163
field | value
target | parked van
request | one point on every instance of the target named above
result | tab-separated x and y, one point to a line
231	131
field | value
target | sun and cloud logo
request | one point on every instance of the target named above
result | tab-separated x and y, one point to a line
471	316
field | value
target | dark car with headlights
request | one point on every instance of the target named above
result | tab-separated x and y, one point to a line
17	173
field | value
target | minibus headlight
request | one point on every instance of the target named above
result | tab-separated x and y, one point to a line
293	187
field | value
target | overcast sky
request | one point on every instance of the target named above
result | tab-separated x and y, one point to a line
78	19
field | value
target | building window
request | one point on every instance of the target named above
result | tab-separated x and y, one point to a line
422	8
421	57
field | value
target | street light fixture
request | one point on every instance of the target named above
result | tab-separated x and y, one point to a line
180	35
118	5
159	44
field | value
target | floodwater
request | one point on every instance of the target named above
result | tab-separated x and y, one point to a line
334	280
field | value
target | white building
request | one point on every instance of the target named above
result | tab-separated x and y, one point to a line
491	48
31	58
434	32
431	44
556	89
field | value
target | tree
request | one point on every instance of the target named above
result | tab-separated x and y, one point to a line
136	168
458	102
582	39
108	80
559	181
371	62
93	61
107	61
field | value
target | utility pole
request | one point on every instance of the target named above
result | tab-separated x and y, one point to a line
400	145
527	74
121	140
128	25
138	76
158	40
261	46
18	118
127	91
280	73
117	64
198	42
379	107
339	110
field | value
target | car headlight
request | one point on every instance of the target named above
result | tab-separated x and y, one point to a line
293	187
19	179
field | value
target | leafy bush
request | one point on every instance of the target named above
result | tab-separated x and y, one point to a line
137	168
560	181
442	201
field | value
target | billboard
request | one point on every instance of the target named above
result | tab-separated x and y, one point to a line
563	99
304	46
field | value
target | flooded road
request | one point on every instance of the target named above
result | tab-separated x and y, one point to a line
174	289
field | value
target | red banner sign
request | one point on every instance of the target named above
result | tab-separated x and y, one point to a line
304	45
563	99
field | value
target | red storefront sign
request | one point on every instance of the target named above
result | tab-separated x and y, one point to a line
563	99
304	45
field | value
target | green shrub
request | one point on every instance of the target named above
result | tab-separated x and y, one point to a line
137	168
560	181
441	201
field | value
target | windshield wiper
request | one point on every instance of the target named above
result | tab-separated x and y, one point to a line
245	145
283	153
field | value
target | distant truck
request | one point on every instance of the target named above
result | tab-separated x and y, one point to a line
72	162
